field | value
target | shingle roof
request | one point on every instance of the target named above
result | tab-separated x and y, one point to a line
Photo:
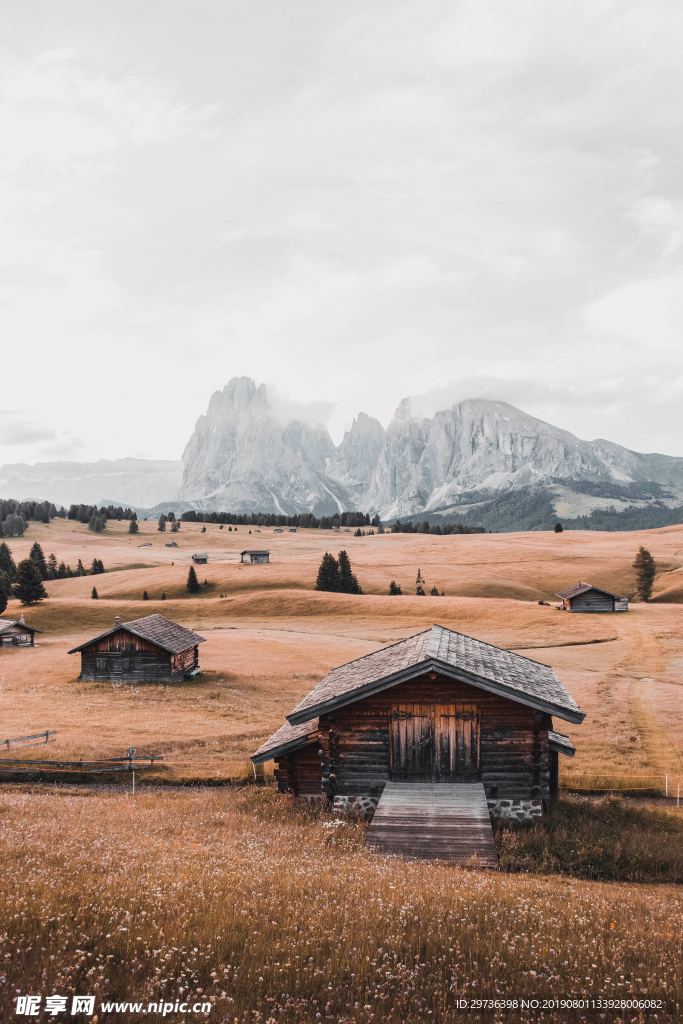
442	650
6	623
558	741
157	629
582	588
288	737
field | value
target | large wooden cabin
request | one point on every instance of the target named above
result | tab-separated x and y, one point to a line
437	707
151	649
584	597
253	556
15	633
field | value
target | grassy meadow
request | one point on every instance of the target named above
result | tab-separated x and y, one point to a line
275	911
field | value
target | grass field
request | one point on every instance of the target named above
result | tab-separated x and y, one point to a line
276	912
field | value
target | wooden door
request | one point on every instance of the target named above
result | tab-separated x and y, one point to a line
456	742
411	746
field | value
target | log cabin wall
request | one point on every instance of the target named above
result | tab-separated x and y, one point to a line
592	601
514	763
127	657
17	636
299	772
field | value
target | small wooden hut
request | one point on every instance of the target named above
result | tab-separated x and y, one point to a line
151	649
15	633
437	707
255	557
584	597
200	558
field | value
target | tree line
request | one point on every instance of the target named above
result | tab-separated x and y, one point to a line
26	581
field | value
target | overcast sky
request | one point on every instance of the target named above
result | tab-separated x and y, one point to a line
353	201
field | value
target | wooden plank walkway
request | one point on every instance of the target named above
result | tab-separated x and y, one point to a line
441	821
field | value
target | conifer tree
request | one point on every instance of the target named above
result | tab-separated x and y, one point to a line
420	584
434	592
145	595
7	562
328	574
38	558
5	590
559	528
192	581
646	570
80	568
133	526
52	566
394	588
93	593
348	584
161	526
29	584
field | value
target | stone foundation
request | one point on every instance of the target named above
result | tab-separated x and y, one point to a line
363	805
515	810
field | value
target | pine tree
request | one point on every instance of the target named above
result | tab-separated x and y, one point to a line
7	562
163	596
52	566
97	521
348	584
93	593
192	581
29	584
646	570
38	558
161	526
420	584
394	588
434	592
80	568
133	526
5	590
145	595
328	574
559	528
97	566
175	526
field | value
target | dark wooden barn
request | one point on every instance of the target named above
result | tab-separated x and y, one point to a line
200	558
255	557
439	708
151	649
15	633
584	597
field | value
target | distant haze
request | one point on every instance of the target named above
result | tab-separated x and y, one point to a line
352	202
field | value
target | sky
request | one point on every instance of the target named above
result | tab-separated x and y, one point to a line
351	202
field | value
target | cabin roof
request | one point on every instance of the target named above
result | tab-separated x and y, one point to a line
254	551
157	629
287	738
8	623
441	650
583	588
561	743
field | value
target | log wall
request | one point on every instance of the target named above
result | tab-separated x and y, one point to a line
514	755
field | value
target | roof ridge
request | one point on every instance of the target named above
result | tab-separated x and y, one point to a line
387	647
506	650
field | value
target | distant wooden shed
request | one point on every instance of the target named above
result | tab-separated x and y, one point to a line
151	649
584	597
200	558
255	557
15	633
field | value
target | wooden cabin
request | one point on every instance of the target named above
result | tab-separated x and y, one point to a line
151	649
584	597
253	557
200	558
15	633
437	707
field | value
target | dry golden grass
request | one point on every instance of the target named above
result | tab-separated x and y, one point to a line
277	913
271	636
